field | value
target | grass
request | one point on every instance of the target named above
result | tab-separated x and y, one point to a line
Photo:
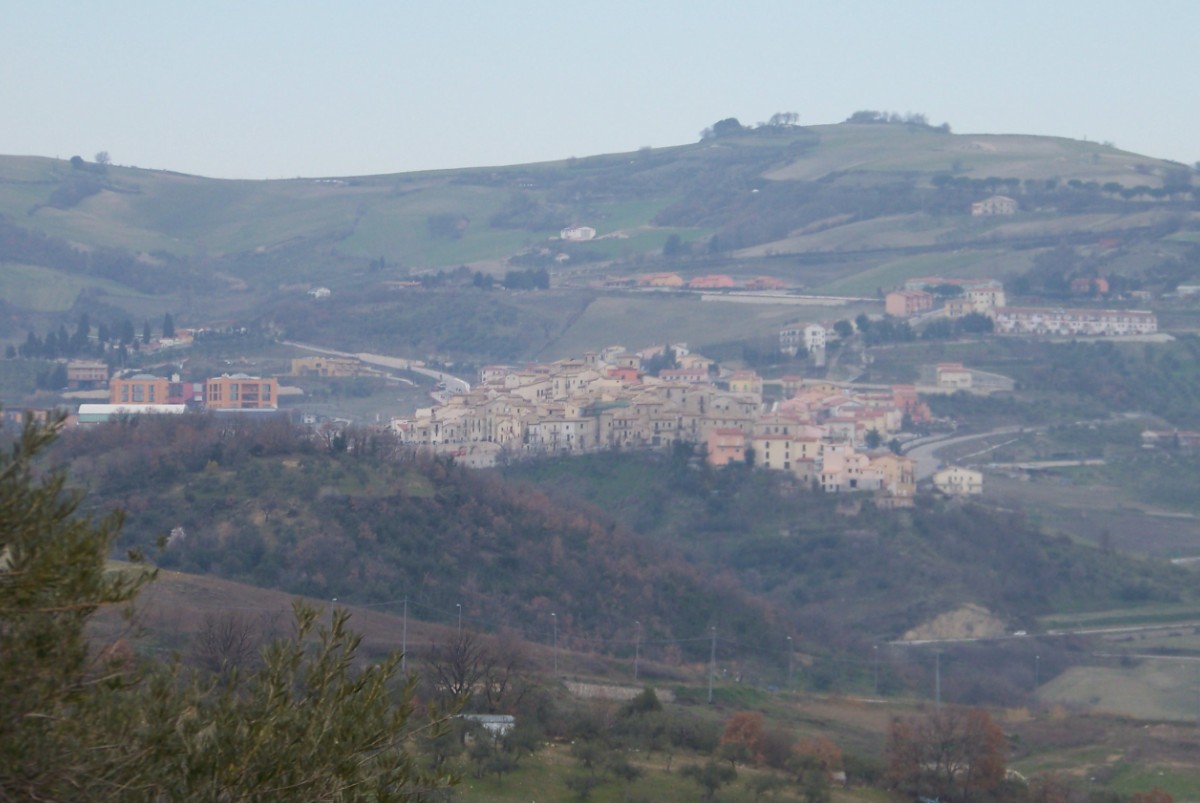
894	273
1150	614
1182	783
49	290
1157	690
639	320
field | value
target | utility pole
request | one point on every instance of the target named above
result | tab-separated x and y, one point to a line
712	663
1037	672
459	606
791	663
404	640
554	620
875	654
637	649
937	680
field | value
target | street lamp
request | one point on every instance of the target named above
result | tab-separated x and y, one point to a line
459	606
637	649
554	620
875	653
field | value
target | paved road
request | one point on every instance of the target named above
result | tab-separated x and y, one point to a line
925	453
453	383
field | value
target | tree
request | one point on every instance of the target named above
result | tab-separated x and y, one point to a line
743	730
674	247
491	671
102	158
83	725
145	332
952	754
53	578
168	327
843	328
711	776
873	439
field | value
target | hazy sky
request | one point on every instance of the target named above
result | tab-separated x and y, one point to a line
280	89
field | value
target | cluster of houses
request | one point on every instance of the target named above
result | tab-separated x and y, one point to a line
605	400
145	393
986	297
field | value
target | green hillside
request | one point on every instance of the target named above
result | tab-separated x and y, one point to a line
849	208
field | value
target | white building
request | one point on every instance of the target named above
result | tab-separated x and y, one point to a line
1047	321
958	481
578	233
996	205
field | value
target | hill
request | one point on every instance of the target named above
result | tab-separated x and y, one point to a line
846	208
582	548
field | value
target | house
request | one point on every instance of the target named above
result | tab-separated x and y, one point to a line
765	283
906	303
673	280
241	392
746	382
953	375
814	337
86	374
726	445
324	366
958	481
139	389
577	233
717	281
1058	321
320	292
996	205
899	474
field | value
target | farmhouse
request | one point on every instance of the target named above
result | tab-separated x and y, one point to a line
996	205
958	481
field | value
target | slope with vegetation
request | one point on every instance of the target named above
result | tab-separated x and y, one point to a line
851	207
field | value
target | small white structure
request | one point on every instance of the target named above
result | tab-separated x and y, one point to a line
497	725
996	205
320	292
958	481
577	233
99	413
953	375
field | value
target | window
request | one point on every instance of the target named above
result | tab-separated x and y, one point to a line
152	389
233	392
139	393
124	393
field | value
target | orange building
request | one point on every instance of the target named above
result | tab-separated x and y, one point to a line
903	303
139	389
726	445
241	392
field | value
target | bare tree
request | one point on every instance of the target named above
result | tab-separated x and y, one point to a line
225	642
492	671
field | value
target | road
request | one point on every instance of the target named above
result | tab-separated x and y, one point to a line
454	384
924	453
1112	631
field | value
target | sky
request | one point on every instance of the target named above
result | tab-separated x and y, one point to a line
253	89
